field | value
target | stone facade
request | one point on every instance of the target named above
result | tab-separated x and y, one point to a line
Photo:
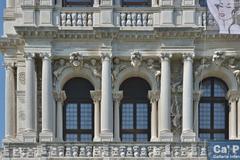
45	45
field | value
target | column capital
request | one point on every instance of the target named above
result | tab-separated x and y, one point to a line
188	56
106	56
165	56
45	55
9	65
29	55
233	95
197	95
117	96
60	96
96	95
153	96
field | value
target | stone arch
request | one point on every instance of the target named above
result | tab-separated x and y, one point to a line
219	72
70	72
141	72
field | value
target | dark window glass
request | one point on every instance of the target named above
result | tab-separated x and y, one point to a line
136	3
83	3
213	110
78	111
203	3
135	110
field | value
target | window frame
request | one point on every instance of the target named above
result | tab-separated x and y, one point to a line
137	4
214	100
86	3
77	131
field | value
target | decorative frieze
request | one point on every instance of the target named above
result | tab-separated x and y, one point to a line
100	150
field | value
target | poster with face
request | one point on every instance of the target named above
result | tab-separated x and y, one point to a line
227	15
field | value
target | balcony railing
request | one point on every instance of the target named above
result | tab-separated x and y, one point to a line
136	19
98	150
76	19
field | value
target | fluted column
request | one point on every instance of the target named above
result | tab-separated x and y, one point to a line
107	101
164	117
96	96
153	96
9	102
60	97
117	96
30	92
187	102
47	99
233	96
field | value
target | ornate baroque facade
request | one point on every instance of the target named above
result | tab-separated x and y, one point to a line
111	80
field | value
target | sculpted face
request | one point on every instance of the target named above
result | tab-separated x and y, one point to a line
225	9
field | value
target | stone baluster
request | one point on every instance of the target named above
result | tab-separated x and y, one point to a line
96	96
233	97
107	101
187	102
164	121
117	96
47	99
60	97
30	93
9	102
153	96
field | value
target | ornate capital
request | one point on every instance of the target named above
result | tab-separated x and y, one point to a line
165	56
233	95
153	96
76	59
188	56
106	55
60	96
29	55
45	55
9	65
96	95
117	96
197	96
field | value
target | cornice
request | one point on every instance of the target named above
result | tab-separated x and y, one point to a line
10	42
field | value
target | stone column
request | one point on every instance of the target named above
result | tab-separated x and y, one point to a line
10	4
96	96
117	96
164	117
232	96
107	101
60	97
30	92
153	96
96	3
9	102
46	134
187	104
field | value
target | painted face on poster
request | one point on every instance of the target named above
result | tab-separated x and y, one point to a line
225	13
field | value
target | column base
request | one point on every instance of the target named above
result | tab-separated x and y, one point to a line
30	136
188	136
46	136
166	136
97	139
154	139
117	139
106	137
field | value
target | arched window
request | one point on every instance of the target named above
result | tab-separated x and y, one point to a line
82	3
203	3
135	110
78	111
213	110
136	3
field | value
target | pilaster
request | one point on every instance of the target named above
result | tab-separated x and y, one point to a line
117	97
96	96
153	96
